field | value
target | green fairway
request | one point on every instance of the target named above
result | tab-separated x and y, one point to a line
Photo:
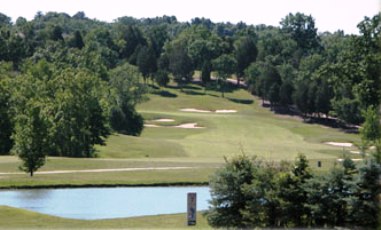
253	130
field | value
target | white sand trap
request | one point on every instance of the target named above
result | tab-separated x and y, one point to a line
341	160
208	111
164	120
189	126
226	111
151	126
355	152
195	110
339	144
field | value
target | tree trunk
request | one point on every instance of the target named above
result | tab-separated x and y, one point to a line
31	173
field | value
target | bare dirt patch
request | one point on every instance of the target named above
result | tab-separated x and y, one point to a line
339	144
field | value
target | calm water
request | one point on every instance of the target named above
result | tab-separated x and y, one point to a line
104	203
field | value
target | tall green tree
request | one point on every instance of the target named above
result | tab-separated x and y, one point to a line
228	199
366	208
31	137
293	193
127	92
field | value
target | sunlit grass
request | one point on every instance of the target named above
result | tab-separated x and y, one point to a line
11	218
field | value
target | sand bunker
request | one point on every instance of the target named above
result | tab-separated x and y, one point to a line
152	126
195	110
182	126
340	159
226	111
164	120
189	126
208	111
339	144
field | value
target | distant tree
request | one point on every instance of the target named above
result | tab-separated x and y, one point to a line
6	126
131	37
80	15
162	77
56	33
146	62
301	97
225	65
285	93
274	94
371	129
5	20
271	80
77	41
180	64
302	29
206	71
245	53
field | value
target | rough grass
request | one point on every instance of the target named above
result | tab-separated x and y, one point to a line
14	218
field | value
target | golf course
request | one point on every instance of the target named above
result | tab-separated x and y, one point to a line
187	135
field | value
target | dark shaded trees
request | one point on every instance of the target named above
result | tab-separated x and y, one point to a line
227	191
225	65
6	126
246	52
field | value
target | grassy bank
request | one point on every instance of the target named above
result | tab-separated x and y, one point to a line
14	218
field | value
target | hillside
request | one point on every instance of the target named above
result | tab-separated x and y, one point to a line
224	127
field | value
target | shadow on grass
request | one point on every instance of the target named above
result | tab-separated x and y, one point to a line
192	92
241	101
164	93
331	122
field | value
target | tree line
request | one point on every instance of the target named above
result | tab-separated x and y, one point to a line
249	193
66	81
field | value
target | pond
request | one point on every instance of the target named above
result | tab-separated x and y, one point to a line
105	203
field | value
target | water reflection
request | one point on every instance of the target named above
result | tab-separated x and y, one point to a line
104	203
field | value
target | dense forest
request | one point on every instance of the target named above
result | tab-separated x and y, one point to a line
67	82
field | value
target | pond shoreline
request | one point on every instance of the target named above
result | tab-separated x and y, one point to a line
60	186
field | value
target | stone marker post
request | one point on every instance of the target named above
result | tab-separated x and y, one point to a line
192	208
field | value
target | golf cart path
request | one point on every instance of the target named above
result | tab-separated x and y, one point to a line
100	170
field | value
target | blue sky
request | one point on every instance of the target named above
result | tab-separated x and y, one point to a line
330	15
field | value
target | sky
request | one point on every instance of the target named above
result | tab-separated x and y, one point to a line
330	15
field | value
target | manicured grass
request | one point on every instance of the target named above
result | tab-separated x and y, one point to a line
14	218
253	130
